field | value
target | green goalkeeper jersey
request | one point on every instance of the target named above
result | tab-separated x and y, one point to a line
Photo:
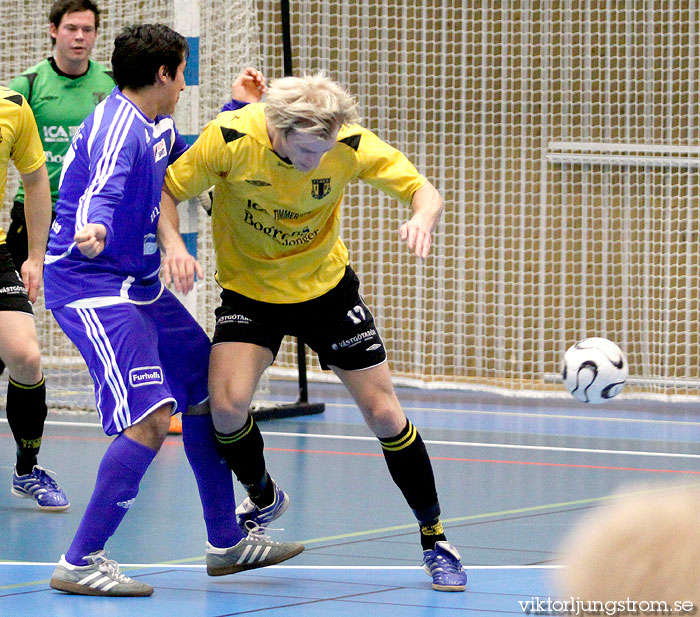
60	104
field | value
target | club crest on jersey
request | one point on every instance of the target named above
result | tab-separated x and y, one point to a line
320	187
145	376
159	150
150	247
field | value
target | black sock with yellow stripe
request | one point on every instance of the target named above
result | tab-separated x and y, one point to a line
412	471
26	414
243	452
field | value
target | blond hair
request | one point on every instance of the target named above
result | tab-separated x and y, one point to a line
644	545
311	104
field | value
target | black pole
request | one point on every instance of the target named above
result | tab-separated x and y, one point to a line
286	38
302	407
288	69
301	362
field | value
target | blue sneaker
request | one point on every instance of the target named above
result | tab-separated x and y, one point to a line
252	517
41	487
444	565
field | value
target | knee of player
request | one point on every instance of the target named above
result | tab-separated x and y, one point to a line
384	415
24	363
161	421
229	402
151	430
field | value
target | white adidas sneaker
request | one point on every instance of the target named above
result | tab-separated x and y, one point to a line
256	550
101	577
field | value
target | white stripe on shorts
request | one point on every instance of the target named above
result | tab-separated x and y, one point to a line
112	376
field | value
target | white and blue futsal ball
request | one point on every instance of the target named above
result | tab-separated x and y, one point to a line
595	370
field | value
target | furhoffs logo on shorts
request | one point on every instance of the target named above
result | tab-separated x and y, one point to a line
145	376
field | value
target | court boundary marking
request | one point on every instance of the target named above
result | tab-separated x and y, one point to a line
487	412
166	564
170	566
437	442
477	444
531	414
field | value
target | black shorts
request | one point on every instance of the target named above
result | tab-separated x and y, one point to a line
13	295
17	242
338	326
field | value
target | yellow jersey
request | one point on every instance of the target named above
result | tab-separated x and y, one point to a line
19	139
276	229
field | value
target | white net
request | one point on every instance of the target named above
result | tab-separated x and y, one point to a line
535	250
564	137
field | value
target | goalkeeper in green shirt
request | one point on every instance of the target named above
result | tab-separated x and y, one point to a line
62	91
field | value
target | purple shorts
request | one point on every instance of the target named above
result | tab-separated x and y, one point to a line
140	356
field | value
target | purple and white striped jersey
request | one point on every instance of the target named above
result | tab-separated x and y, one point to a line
112	174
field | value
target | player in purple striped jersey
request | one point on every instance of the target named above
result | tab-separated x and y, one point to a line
147	355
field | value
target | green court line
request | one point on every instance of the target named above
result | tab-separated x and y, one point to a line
461	519
28	584
458	519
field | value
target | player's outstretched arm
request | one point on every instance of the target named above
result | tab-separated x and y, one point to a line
37	210
417	231
249	86
179	267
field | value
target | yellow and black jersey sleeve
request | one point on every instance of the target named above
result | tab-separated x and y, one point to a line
26	151
19	137
382	165
206	163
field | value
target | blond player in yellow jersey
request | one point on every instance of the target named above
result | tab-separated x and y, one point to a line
19	347
280	169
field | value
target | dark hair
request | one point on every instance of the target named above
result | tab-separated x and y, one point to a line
63	7
139	51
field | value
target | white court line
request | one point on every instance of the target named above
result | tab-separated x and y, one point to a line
464	444
544	415
197	566
476	444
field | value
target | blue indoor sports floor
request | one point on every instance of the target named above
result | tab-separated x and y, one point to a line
513	477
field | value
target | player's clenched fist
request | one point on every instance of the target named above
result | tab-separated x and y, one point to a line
90	239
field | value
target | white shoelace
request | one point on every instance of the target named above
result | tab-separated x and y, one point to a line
110	568
47	477
257	533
